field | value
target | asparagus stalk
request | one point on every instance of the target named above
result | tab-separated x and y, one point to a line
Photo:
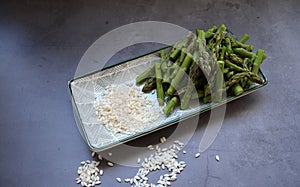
237	89
239	76
175	82
145	75
242	45
244	38
257	62
228	45
150	85
222	54
182	56
159	86
199	94
166	76
168	109
236	59
163	54
206	63
221	65
207	99
207	90
164	66
229	74
178	62
183	68
175	53
194	72
210	32
243	82
218	91
243	53
226	70
218	37
187	95
246	63
233	66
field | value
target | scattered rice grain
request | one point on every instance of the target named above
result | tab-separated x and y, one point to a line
110	164
127	180
197	155
139	160
119	179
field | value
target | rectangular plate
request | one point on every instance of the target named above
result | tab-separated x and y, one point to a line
84	91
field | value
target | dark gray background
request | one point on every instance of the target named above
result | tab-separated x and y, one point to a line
41	43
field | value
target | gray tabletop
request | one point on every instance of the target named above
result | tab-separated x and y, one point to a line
41	43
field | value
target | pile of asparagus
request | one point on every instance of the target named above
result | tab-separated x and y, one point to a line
206	67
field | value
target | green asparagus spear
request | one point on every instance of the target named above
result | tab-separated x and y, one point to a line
166	76
168	109
257	62
210	32
244	38
243	82
239	76
207	90
226	70
179	62
243	53
185	65
199	94
242	45
236	59
222	54
207	99
205	62
164	66
228	45
246	63
187	95
145	75
175	53
221	65
183	68
229	74
233	66
164	60
237	89
163	54
182	56
159	86
219	88
150	85
193	74
215	45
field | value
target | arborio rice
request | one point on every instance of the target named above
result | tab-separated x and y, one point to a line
125	109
